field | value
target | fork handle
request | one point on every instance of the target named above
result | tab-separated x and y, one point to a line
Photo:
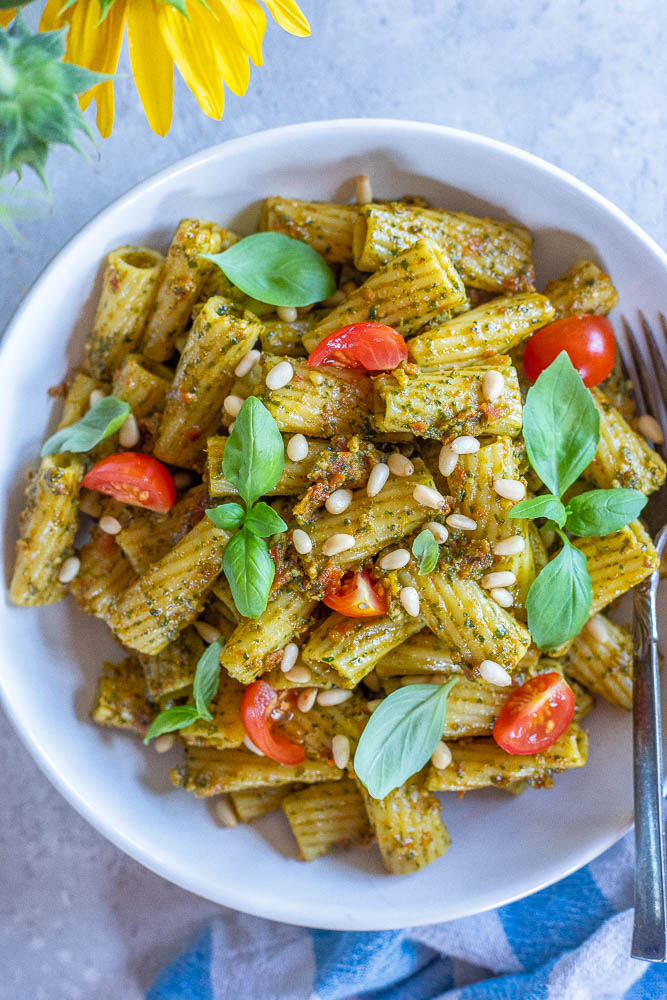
649	940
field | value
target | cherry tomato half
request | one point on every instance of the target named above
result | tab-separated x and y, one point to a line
535	715
258	701
371	346
356	597
134	478
588	341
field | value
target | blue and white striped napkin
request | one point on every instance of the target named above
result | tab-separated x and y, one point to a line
568	942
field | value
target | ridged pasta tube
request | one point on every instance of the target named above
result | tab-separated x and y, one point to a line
294	477
326	227
207	771
408	826
251	803
584	288
142	383
105	575
120	701
623	457
326	817
601	658
352	646
618	562
170	673
149	536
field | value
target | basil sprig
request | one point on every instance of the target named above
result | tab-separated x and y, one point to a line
104	418
426	550
253	462
561	428
204	689
276	269
400	736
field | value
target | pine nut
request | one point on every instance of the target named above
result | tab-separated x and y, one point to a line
298	675
290	656
109	525
95	396
207	632
414	679
597	628
225	811
335	299
509	489
441	756
339	501
503	578
363	188
461	522
340	542
493	384
302	542
447	460
439	531
69	569
378	477
650	428
249	745
372	681
340	751
129	435
287	314
409	598
493	673
306	699
182	479
297	448
232	405
279	376
372	705
247	363
231	427
334	696
509	546
428	497
395	560
399	465
464	445
548	537
164	742
502	597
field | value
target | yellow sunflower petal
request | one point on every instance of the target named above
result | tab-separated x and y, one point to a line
289	16
152	64
6	16
232	60
51	17
103	95
250	24
194	54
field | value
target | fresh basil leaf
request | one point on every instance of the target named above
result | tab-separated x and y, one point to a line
276	269
104	418
207	678
426	550
250	571
400	736
600	512
177	717
559	601
228	516
262	520
542	506
561	427
254	454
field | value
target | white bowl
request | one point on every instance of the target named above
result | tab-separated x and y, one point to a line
502	847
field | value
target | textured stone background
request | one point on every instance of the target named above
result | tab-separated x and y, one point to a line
579	82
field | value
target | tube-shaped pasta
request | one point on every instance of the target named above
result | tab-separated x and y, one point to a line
141	383
295	477
487	254
327	817
409	290
128	291
148	536
408	826
105	574
474	336
352	646
77	400
121	700
225	730
170	673
251	803
209	771
618	562
584	288
324	226
601	658
623	457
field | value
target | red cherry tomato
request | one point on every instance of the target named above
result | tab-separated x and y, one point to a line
258	701
371	346
356	597
535	715
588	341
134	478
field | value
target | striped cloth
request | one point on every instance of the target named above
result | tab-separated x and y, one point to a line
568	942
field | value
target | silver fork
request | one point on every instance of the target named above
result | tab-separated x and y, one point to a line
644	356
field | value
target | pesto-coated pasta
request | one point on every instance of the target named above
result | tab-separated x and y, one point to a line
149	536
326	227
601	658
170	673
584	288
295	476
408	826
327	817
208	771
618	562
120	701
105	575
352	646
623	458
251	803
141	383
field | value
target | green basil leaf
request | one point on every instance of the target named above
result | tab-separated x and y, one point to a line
254	454
228	516
250	571
559	601
104	418
262	520
561	426
177	717
426	550
600	512
400	736
542	506
276	269
207	678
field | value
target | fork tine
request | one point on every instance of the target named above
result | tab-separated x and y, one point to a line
646	352
627	348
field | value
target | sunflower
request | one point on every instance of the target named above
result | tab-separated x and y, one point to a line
209	40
